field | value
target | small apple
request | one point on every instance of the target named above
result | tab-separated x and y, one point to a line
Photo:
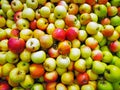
115	20
51	86
114	46
52	18
10	14
60	70
17	15
91	2
85	18
61	86
82	35
89	62
105	21
50	28
74	87
92	76
36	70
37	86
33	24
4	86
42	23
32	4
107	57
51	6
112	10
87	87
45	11
114	36
3	59
85	8
60	23
12	84
75	43
73	8
41	2
3	34
37	33
94	17
53	52
14	33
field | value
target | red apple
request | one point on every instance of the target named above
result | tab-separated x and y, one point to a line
51	86
91	2
17	15
53	52
59	34
105	21
16	45
102	1
71	33
33	24
51	76
4	86
82	78
64	47
36	70
114	46
15	33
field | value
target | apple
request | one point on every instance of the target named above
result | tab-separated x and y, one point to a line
85	51
33	24
42	23
105	21
116	85
37	14
62	61
98	67
51	86
67	78
22	24
45	11
82	35
3	58
53	52
112	10
74	54
2	21
89	62
87	87
5	7
51	6
107	57
37	33
12	57
60	23
2	13
49	64
111	73
97	55
63	3
74	87
26	34
100	10
23	66
12	84
80	65
50	76
41	2
61	86
38	56
6	68
50	28
28	13
91	2
104	84
25	55
114	36
75	43
84	8
60	11
85	18
82	78
17	15
17	88
71	33
114	46
32	4
36	70
94	17
14	33
16	5
10	14
28	82
4	86
59	34
64	47
73	8
92	76
17	75
52	18
16	45
60	70
115	3
115	20
91	42
46	41
37	86
32	44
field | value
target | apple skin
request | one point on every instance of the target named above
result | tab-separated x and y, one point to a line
102	1
59	34
112	73
17	15
115	20
16	45
17	75
60	23
14	33
32	4
82	78
51	86
50	28
75	43
37	86
38	56
61	86
3	59
33	24
105	21
4	86
114	46
45	11
85	18
64	47
73	9
87	87
3	34
37	33
107	57
53	52
112	10
17	88
82	35
92	76
91	2
50	76
104	85
74	87
60	70
67	78
116	85
36	70
84	8
2	21
51	6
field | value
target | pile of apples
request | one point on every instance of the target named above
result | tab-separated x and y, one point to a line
59	45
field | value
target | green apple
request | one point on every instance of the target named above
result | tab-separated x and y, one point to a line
28	13
74	87
3	58
89	62
60	23
62	61
60	70
92	76
23	66
87	87
112	73
2	13
94	17
116	85
42	2
25	55
17	75
85	51
103	42
60	11
37	86
45	11
22	24
107	57
10	23
5	7
98	67
98	36
10	14
18	88
76	43
115	20
115	3
61	86
49	64
32	3
12	57
28	82
2	21
38	56
74	54
82	35
6	68
4	45
104	85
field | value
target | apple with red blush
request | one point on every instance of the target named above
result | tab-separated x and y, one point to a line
33	24
17	15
